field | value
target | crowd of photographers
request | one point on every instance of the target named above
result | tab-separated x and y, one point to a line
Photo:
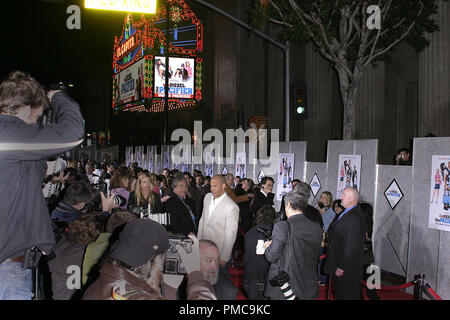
108	231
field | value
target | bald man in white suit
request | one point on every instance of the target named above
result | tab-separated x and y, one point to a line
219	223
220	217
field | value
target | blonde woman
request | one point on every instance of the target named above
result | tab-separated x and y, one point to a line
144	195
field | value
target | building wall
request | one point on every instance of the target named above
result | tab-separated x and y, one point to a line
398	100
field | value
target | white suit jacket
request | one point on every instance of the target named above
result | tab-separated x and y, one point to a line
222	226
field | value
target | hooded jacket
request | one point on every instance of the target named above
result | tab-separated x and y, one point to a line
24	215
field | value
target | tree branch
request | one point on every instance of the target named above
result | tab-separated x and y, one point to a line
383	51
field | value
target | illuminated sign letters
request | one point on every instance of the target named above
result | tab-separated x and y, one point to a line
125	47
143	6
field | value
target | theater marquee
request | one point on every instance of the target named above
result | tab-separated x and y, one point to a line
142	6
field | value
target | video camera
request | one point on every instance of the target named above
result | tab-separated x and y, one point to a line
172	263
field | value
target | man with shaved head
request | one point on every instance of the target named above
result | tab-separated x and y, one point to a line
219	221
346	237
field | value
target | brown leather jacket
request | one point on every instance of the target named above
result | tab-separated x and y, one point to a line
116	283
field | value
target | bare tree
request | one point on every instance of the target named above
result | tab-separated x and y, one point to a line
351	34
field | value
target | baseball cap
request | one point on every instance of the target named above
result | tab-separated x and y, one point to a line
139	241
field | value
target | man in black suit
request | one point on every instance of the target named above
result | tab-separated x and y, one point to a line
181	208
345	254
264	196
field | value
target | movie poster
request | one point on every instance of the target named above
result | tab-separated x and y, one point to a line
439	215
166	157
139	153
128	153
186	159
209	162
181	77
129	84
349	171
241	165
151	152
285	174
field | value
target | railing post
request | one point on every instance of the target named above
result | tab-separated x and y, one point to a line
419	285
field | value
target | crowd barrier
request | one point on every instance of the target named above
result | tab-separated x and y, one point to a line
419	283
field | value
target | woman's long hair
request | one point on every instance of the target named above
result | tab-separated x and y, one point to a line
139	196
117	180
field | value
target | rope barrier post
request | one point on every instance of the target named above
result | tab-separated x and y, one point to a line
419	281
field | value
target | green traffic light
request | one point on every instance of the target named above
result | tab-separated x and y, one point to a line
300	110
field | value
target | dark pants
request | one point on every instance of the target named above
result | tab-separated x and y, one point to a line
255	290
323	278
347	287
225	289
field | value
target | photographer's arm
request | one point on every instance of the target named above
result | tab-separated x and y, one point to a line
22	141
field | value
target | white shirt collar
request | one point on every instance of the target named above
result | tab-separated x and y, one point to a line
219	198
263	193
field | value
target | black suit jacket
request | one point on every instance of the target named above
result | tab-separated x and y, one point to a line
346	238
180	218
260	200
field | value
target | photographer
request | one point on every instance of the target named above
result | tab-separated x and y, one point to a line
403	157
255	263
293	252
24	146
77	195
133	268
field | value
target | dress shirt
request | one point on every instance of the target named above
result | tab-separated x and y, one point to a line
215	202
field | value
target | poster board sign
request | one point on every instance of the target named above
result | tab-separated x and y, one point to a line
241	165
349	172
285	174
181	77
439	214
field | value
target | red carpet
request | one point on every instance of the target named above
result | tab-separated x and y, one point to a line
237	276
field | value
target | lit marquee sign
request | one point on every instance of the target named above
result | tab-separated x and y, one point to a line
142	6
139	60
124	48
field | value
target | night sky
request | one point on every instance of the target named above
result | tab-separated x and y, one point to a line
37	40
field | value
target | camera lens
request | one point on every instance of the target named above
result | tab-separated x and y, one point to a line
119	200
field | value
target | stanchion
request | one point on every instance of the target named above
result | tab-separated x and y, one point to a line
419	281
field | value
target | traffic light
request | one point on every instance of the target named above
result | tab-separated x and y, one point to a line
299	103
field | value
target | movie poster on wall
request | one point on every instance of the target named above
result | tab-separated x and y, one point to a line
285	174
209	163
181	77
151	153
128	152
439	214
139	152
241	165
349	171
130	83
166	157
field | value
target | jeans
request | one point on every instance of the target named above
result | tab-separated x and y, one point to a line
15	283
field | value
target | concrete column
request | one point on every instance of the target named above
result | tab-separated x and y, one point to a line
434	82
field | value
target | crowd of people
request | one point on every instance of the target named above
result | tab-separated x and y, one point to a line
233	222
95	238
